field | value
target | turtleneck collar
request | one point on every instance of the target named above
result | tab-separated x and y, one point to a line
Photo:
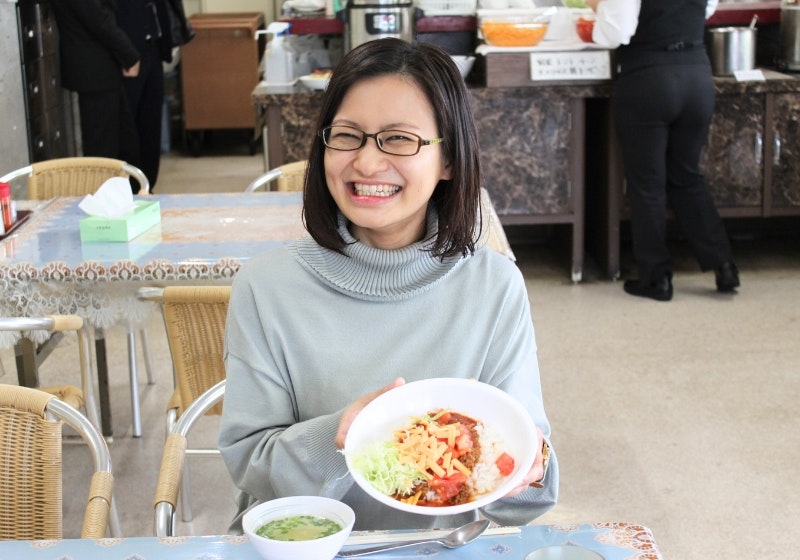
367	273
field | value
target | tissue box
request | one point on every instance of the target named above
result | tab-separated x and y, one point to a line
123	228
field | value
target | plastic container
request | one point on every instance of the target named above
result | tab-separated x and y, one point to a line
278	67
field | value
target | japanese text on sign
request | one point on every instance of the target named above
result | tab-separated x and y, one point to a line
572	65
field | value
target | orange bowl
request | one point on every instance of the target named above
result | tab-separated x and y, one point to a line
511	34
585	26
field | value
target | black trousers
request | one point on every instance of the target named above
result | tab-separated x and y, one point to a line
662	115
107	127
146	98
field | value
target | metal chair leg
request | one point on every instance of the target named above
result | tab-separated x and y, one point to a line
114	526
136	412
148	359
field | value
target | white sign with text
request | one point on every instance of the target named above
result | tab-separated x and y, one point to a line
570	65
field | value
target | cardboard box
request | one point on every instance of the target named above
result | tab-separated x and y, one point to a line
124	228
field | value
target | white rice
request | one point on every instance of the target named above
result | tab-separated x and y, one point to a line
485	475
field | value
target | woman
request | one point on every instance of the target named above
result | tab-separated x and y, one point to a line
392	286
662	104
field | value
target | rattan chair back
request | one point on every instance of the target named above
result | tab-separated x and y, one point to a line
195	321
286	178
31	467
78	176
78	397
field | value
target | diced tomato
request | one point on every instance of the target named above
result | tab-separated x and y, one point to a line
448	487
463	441
505	464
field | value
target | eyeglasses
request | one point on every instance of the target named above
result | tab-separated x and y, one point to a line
393	142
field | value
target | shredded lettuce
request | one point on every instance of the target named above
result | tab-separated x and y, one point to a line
380	465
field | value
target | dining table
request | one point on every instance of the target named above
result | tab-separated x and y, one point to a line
611	540
46	269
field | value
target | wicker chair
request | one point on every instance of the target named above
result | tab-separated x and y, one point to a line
79	176
173	460
288	177
30	434
195	322
74	176
77	397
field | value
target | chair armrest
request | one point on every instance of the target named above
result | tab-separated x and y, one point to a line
169	484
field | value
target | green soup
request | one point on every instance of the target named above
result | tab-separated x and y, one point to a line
298	528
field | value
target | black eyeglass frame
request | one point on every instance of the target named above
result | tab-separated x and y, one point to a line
365	135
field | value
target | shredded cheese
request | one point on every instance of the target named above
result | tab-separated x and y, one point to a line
421	446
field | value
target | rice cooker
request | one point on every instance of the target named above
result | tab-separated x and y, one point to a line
377	19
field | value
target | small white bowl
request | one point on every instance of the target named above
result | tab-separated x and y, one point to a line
464	63
324	548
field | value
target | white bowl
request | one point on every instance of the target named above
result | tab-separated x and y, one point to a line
318	83
324	548
496	409
464	63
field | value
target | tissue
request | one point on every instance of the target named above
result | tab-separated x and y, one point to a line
113	199
114	215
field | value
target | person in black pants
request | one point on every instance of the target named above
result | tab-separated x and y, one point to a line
145	92
662	104
95	55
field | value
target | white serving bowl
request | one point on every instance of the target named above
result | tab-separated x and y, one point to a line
464	63
324	548
496	409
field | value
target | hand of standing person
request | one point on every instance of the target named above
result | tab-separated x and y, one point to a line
133	71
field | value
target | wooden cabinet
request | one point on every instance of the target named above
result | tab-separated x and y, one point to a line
752	158
733	159
783	161
533	160
219	69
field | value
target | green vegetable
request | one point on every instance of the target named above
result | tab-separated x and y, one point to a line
575	4
298	528
380	465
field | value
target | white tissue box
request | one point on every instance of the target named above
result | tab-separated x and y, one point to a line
123	228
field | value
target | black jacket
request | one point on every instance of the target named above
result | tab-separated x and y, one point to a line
93	48
161	22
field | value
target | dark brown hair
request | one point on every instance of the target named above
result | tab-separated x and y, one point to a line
457	200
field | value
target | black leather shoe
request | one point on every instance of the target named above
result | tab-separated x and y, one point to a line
727	277
660	291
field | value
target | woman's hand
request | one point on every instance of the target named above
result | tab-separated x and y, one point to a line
355	407
536	472
592	4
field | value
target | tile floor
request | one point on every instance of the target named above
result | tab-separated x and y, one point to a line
681	416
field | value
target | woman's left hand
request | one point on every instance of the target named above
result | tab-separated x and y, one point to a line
536	472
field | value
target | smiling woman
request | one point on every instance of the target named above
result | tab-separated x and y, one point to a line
392	202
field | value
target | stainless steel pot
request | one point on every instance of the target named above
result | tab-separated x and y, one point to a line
790	35
732	49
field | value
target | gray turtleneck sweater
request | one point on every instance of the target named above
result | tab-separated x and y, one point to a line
310	330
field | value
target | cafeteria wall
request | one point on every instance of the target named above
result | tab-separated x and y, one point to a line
14	134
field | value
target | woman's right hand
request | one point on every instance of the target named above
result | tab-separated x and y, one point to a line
355	407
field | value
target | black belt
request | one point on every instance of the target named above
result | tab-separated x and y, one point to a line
683	46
